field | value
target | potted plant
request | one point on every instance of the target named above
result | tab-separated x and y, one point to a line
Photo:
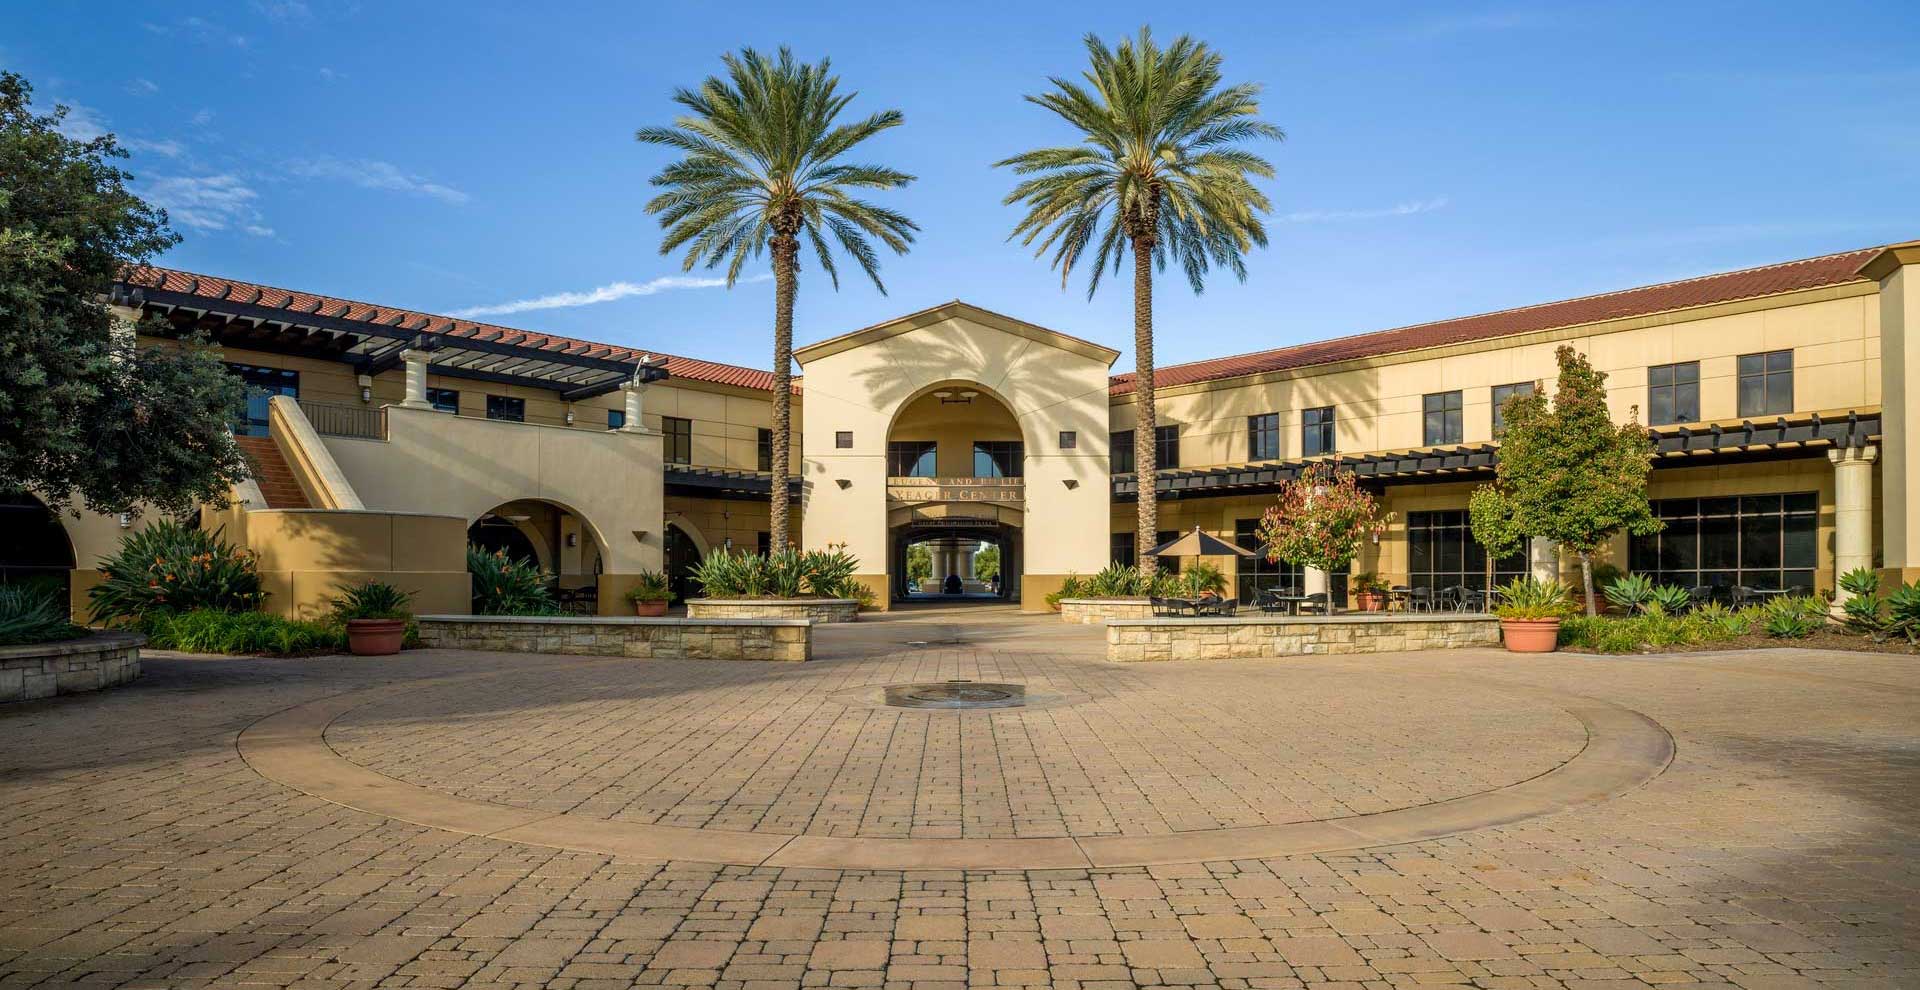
376	616
650	593
1369	592
1530	612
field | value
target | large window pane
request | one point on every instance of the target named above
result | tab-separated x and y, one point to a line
997	459
1760	541
1120	451
1263	437
911	458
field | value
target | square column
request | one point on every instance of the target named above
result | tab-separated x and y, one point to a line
1852	512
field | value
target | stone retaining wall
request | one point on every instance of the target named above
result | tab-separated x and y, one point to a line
42	670
1094	611
817	609
624	636
1280	636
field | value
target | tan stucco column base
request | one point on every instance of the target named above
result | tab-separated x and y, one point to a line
613	594
1034	589
876	583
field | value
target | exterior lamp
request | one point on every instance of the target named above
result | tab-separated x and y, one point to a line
569	415
366	387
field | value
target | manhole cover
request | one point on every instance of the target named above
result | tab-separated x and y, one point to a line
957	694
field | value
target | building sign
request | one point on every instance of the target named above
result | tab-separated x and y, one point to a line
956	489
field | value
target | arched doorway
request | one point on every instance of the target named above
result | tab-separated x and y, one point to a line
35	548
681	557
956	466
556	539
955	560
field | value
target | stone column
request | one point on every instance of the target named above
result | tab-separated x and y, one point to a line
1543	558
416	379
1852	511
636	395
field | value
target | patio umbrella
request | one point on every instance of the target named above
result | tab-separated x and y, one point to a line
1198	544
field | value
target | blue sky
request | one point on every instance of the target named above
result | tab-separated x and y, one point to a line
1441	160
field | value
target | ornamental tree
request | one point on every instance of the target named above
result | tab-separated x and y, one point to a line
81	415
1490	516
1570	473
1320	519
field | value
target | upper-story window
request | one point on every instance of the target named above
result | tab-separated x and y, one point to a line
1120	451
1443	422
1316	432
1766	383
262	385
1263	437
997	458
1673	393
446	400
507	407
616	419
1166	447
678	442
763	449
1501	393
911	458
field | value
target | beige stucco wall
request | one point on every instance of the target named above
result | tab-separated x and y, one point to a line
1050	385
1900	455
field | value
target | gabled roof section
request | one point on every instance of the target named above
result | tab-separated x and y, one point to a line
950	310
216	290
1809	273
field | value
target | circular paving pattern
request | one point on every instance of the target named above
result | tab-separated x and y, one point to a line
1119	766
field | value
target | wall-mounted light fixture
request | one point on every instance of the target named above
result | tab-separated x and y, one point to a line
126	520
961	397
573	539
844	483
569	415
1071	483
366	387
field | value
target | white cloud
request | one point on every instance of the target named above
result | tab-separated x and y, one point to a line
167	147
143	87
1406	209
373	174
82	123
203	117
605	293
208	202
327	74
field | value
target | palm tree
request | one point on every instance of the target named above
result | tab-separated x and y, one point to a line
762	171
1162	171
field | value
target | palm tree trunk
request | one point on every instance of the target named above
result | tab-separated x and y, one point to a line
1144	448
785	250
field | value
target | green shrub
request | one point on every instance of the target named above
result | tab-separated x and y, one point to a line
782	574
35	613
372	600
168	567
1670	599
502	586
1631	593
1792	616
1074	586
1714	621
214	631
1903	611
1528	598
829	573
1201	578
650	586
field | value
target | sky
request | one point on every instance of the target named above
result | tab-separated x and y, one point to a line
478	158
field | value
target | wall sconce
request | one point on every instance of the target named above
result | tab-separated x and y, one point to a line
569	415
573	539
727	544
963	397
844	483
126	520
1071	483
366	387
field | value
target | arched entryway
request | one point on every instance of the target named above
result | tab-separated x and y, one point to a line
956	487
558	540
955	560
34	548
682	555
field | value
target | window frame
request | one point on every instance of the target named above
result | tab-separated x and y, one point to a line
1775	385
436	397
1120	451
763	449
616	419
1328	439
1166	447
261	382
1451	410
921	450
1263	437
1499	401
676	433
1678	384
1007	457
506	408
1682	554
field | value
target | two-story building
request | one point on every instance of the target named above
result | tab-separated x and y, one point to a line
388	440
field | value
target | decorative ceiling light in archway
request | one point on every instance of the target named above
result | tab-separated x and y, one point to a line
951	397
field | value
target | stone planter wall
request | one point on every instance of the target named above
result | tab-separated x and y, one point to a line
1281	636
624	636
817	609
42	670
1094	611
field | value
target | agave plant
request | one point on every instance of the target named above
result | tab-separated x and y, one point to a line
34	614
1670	599
1631	592
1527	598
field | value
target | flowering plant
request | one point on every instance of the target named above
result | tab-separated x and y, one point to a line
1320	519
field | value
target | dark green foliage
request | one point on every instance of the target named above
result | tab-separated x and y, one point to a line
650	586
1903	611
1879	616
86	416
1529	599
212	631
1631	592
34	613
372	600
168	567
1670	598
781	574
503	586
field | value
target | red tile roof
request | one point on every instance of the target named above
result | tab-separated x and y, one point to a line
1832	269
212	287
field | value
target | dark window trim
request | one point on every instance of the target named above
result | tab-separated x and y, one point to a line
1166	447
1450	408
678	433
1263	437
1318	436
506	408
1775	385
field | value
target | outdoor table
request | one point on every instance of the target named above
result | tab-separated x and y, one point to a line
1292	602
1766	593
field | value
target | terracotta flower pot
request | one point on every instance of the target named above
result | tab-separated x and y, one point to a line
375	637
654	608
1530	635
1370	601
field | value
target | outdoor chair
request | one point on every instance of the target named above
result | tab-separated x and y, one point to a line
1169	607
1217	606
1268	600
1699	595
1742	595
1420	599
1319	602
1397	598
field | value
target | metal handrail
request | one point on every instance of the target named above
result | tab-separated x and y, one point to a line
337	420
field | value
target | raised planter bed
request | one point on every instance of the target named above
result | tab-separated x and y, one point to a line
789	640
1252	636
1094	611
817	609
68	666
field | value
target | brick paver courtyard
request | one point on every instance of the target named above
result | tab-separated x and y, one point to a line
139	847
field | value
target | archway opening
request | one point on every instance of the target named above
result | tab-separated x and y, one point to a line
35	549
956	466
682	555
939	561
553	537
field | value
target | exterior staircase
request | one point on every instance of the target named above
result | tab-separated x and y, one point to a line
271	473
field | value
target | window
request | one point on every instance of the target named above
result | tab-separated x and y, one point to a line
1441	553
911	459
1120	451
1442	411
1501	393
1166	447
1316	432
616	419
1122	550
1673	393
1257	574
1167	565
997	458
506	407
444	400
843	440
262	385
1766	383
1760	541
1263	437
1069	439
763	543
763	450
679	439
